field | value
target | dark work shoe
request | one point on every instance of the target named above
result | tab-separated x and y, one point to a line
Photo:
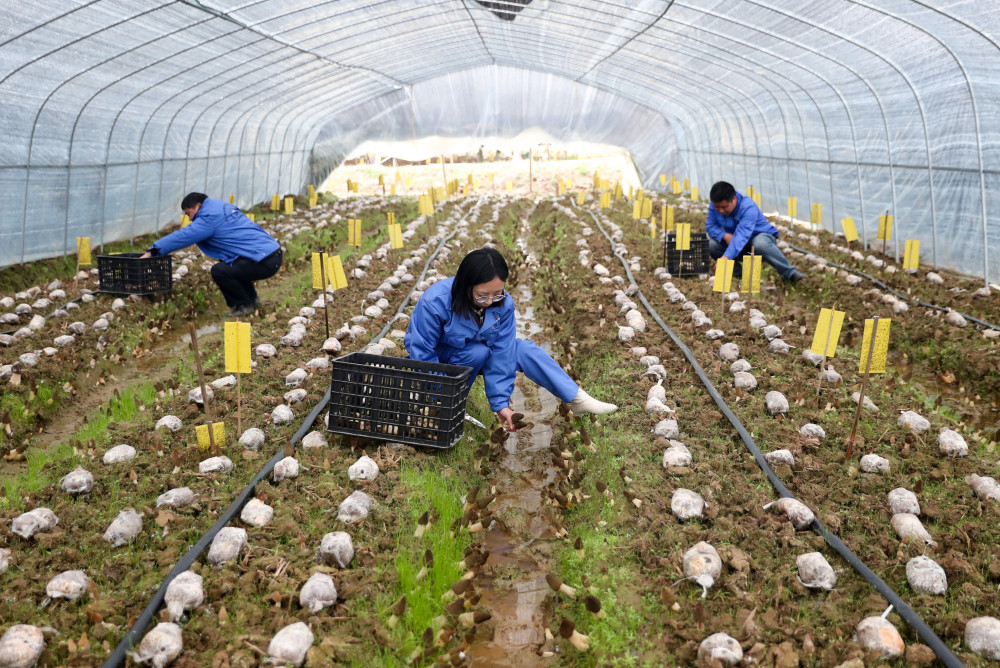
242	310
795	277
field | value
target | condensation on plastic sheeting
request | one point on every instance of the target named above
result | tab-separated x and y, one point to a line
114	109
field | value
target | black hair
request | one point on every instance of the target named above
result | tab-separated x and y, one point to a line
722	192
480	266
191	199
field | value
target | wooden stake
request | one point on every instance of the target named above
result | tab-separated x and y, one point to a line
204	393
239	405
864	385
884	240
444	172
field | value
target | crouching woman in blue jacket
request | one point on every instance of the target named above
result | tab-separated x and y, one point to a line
469	320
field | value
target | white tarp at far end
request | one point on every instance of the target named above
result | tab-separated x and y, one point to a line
505	106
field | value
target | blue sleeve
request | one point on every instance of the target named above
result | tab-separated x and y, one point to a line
746	223
712	226
499	370
424	332
201	228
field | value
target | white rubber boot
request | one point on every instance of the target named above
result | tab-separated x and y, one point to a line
583	403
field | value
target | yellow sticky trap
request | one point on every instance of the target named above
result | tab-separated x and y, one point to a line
409	181
828	332
392	189
339	278
652	229
885	227
581	197
694	193
687	184
83	251
881	350
605	184
631	194
237	341
440	194
793	207
318	270
683	239
468	179
276	199
750	192
354	232
510	186
816	214
185	221
911	258
390	218
670	218
381	179
750	279
311	189
647	208
354	186
313	200
723	274
637	209
252	217
399	177
289	205
395	237
232	198
756	199
561	188
617	192
677	187
850	232
218	431
663	180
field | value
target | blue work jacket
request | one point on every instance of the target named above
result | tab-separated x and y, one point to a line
436	331
221	231
746	221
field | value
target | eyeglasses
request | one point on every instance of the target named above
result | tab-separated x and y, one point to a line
489	299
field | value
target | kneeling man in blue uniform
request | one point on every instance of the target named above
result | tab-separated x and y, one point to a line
246	253
735	224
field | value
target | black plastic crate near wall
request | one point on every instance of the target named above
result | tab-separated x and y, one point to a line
689	262
397	399
130	274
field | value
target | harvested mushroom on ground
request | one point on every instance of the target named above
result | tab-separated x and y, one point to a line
745	380
21	646
815	571
171	422
952	444
956	319
720	648
125	528
686	504
903	501
285	469
252	438
318	592
226	545
909	528
175	498
876	633
69	585
797	512
779	346
811	430
185	592
336	548
772	332
868	405
776	402
625	333
282	414
666	428
355	507
292	643
926	576
985	487
982	636
78	481
740	366
220	464
702	564
914	422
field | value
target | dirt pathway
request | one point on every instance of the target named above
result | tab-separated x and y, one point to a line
513	582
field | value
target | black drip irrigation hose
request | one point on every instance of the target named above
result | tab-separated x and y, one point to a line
888	289
139	627
905	611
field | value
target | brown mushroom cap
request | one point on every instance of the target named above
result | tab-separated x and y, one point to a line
578	545
554	581
566	628
400	607
593	604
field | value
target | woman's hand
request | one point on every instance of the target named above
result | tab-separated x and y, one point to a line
507	415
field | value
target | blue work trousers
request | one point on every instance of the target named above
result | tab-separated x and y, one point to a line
532	361
765	245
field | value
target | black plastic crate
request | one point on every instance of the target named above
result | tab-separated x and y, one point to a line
689	262
127	274
397	399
